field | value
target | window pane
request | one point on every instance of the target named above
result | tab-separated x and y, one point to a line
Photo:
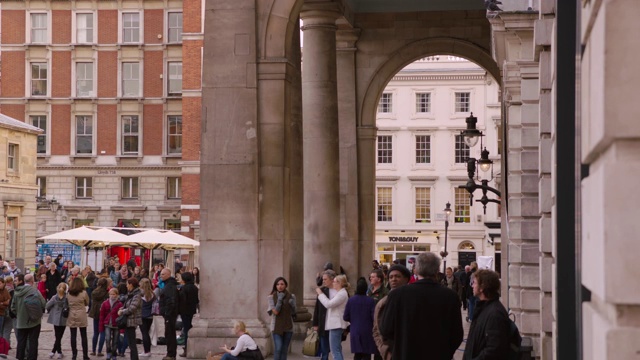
462	208
84	79
84	28
385	149
463	101
423	205
462	151
40	121
423	149
174	134
175	78
174	190
84	135
385	104
423	102
175	27
39	79
384	204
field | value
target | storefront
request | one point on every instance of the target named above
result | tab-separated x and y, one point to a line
400	247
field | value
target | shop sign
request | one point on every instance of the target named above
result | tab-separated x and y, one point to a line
403	238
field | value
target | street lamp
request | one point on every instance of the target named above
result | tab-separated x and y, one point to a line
471	135
54	205
447	212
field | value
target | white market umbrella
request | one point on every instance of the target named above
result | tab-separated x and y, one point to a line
86	237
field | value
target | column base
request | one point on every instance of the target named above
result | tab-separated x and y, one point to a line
210	334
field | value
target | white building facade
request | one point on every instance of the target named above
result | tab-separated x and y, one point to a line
422	160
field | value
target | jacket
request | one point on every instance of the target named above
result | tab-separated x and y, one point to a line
98	295
54	307
169	301
5	300
359	313
385	347
52	282
133	308
320	313
423	316
77	310
188	299
18	307
108	314
489	332
147	307
335	310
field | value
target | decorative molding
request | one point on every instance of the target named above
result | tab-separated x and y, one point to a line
101	167
437	77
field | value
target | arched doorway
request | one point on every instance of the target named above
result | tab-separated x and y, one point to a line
466	253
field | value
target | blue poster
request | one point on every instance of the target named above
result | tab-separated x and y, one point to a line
68	251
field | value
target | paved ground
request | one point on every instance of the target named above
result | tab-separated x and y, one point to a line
158	352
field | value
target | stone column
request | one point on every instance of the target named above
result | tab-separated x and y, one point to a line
320	142
366	196
347	104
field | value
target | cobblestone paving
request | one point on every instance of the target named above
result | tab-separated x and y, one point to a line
47	338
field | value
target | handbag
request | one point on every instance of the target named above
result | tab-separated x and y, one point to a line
346	332
121	321
311	343
65	309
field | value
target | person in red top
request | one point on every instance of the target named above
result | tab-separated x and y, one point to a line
42	285
108	316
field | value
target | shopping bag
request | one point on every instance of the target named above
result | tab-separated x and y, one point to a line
311	342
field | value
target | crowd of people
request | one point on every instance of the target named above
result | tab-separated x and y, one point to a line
119	299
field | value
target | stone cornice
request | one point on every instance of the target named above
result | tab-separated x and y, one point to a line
437	77
79	167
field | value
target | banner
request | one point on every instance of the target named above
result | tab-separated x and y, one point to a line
68	251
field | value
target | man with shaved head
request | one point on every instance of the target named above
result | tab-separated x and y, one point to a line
27	328
169	311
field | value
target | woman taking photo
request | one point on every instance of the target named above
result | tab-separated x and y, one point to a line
133	310
148	297
282	308
78	301
98	296
334	322
59	322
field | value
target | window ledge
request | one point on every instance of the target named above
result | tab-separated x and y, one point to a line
75	157
119	158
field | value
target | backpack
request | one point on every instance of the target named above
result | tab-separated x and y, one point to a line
515	340
34	307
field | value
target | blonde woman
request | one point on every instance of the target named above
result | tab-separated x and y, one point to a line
78	301
334	322
55	306
245	343
148	297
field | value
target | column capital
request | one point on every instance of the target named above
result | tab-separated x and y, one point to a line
346	39
320	14
367	132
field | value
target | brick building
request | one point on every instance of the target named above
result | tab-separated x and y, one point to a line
116	87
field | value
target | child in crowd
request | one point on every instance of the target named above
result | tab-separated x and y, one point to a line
108	316
42	285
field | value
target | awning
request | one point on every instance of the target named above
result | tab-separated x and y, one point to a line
87	237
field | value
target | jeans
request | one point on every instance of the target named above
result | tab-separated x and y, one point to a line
123	343
111	334
28	335
471	305
170	336
281	343
57	345
335	343
130	335
324	345
7	326
97	335
144	329
228	356
187	324
83	341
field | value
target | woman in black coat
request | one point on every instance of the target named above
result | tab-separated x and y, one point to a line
53	279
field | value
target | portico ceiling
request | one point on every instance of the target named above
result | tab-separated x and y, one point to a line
376	6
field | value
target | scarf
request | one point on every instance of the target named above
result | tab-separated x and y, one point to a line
284	320
450	282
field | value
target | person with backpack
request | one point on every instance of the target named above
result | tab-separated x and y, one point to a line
489	334
28	305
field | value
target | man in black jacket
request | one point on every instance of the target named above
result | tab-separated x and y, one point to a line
169	304
320	313
423	319
489	332
188	305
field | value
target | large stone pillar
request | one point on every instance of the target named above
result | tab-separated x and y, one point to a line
320	142
347	113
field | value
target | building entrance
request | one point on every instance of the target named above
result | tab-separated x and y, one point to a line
466	258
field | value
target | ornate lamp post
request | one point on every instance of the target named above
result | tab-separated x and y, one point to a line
471	135
447	212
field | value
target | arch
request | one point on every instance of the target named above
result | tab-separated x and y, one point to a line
466	246
277	23
413	51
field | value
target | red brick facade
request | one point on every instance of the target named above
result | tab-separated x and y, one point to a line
61	77
107	129
61	24
106	101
